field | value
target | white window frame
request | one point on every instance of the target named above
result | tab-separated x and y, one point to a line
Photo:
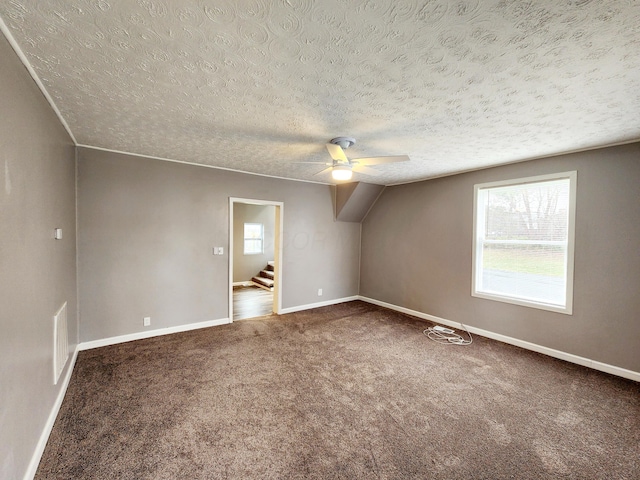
478	240
244	246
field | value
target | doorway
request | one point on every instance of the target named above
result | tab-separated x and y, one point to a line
254	300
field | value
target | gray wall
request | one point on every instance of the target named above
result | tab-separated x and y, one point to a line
147	228
421	259
247	266
37	273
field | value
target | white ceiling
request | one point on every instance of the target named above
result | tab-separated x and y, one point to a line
257	85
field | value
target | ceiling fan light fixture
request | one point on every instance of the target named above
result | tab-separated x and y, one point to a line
341	172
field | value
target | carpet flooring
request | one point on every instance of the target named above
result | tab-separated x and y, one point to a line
347	391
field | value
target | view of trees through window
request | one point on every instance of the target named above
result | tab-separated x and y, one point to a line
526	228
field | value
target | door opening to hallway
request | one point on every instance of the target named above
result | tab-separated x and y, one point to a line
255	258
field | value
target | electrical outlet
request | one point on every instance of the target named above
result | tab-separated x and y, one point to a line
147	321
319	292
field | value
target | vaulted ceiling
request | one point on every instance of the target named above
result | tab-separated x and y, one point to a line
258	85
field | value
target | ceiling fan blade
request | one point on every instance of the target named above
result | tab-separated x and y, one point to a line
337	153
314	163
326	170
366	170
380	160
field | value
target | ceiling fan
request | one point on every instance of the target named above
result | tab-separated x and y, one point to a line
342	168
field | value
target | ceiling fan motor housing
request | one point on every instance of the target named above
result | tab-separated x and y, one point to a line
344	142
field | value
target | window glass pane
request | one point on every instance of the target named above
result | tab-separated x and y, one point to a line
252	230
253	246
522	241
532	272
537	211
253	238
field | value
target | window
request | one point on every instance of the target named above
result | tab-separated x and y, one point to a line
253	238
523	241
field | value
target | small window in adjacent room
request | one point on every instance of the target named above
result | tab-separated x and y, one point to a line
523	241
253	238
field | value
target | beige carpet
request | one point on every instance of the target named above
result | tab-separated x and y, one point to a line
348	391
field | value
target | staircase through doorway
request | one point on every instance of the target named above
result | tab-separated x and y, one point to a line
266	277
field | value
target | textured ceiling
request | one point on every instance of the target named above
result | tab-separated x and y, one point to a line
256	85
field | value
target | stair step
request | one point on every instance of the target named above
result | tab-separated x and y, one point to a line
267	282
271	265
267	274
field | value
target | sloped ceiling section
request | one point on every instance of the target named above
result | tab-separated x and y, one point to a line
257	85
354	200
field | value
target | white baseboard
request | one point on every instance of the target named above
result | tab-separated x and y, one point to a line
569	357
309	306
48	426
151	333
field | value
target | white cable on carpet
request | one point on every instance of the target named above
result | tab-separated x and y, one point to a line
448	338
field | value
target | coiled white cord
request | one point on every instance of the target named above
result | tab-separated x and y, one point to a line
448	338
